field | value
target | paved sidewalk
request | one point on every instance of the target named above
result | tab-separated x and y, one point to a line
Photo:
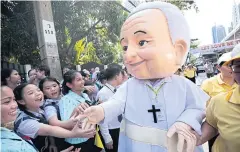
200	78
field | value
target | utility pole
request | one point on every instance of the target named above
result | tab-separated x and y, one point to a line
47	37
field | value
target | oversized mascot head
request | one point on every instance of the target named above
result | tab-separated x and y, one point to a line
155	39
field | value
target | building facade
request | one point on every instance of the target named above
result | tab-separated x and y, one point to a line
218	33
235	15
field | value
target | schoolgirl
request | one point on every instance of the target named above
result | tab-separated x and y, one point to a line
10	78
31	123
10	141
73	87
52	94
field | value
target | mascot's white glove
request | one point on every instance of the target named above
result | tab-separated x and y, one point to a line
184	133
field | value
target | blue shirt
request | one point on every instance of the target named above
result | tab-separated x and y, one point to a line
11	142
66	106
49	109
29	127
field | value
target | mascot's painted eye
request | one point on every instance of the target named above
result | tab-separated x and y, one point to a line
143	42
125	48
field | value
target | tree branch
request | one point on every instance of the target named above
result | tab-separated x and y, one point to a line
125	9
98	28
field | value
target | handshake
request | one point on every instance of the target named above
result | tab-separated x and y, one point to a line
87	116
180	136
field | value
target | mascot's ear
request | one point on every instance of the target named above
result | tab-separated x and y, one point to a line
180	47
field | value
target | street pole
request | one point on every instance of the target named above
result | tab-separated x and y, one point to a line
47	37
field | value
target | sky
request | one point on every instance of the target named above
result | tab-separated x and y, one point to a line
211	12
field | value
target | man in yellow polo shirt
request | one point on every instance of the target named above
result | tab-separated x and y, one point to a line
189	73
223	82
223	113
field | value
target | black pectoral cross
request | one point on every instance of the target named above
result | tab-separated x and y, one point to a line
154	111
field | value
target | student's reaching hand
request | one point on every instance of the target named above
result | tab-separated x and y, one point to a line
80	108
70	149
74	119
83	133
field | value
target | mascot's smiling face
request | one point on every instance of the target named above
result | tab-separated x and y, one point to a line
149	52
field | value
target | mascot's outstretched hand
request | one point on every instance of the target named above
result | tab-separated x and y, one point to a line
94	115
185	135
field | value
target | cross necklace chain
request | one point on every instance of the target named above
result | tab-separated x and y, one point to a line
154	110
155	91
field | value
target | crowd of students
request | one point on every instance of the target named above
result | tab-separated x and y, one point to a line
43	114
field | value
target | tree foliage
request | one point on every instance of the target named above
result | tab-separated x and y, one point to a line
18	33
193	45
97	21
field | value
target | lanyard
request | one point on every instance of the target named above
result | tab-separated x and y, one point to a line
110	89
156	90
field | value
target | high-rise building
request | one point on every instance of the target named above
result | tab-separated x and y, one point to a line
218	33
235	14
230	29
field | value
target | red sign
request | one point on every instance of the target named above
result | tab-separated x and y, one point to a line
217	46
221	45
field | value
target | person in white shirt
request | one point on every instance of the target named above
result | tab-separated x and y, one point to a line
94	75
209	68
110	131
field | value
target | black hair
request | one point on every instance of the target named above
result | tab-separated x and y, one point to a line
68	78
45	69
5	73
111	72
124	72
101	76
30	71
179	70
47	79
114	65
83	74
18	93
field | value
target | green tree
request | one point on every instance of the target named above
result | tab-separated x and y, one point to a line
193	45
97	21
18	33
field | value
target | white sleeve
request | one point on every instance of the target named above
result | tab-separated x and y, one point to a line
116	104
105	132
104	127
196	100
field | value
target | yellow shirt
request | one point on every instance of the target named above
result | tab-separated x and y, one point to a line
223	113
215	85
190	73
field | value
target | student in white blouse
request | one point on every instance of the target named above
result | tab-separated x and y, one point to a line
110	131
